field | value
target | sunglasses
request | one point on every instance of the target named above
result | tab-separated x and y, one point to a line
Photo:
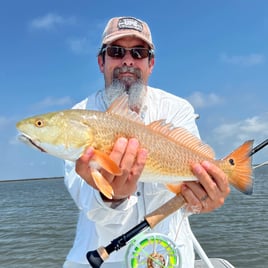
120	52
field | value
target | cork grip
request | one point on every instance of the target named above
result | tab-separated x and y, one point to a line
165	210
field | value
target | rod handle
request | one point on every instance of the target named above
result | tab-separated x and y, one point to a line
165	210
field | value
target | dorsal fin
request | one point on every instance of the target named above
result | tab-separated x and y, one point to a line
120	106
182	137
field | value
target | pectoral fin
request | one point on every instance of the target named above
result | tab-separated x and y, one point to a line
106	163
103	185
174	188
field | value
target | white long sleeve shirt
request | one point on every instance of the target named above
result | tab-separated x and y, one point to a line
99	224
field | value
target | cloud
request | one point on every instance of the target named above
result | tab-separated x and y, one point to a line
201	100
6	122
244	130
80	45
228	136
14	140
3	121
50	21
51	101
246	60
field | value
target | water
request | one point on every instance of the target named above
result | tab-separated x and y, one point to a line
37	223
38	218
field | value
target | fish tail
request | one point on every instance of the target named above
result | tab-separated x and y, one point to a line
240	171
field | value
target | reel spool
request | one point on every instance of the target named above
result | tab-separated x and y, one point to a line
153	250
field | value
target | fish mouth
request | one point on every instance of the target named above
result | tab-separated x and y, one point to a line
27	140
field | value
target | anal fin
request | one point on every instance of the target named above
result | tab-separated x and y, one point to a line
102	184
106	163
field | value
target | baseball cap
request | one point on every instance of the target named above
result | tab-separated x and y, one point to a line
120	27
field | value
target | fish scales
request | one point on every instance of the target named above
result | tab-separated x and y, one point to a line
165	156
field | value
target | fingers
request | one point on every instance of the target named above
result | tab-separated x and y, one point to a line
129	158
211	189
119	150
208	185
116	155
194	195
139	164
219	177
132	162
124	154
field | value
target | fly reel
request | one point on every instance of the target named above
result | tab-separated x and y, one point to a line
153	250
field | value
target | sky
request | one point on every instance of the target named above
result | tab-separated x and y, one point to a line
213	53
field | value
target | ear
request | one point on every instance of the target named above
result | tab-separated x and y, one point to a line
101	63
151	64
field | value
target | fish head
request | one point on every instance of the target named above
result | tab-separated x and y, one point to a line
63	134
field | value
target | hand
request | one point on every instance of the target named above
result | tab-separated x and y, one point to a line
128	156
211	189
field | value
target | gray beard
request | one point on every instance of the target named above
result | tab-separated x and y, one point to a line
136	93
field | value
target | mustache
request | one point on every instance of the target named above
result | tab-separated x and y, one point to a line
127	69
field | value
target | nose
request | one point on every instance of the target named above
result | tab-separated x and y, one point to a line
128	59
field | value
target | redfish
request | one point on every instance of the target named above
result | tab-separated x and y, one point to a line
171	150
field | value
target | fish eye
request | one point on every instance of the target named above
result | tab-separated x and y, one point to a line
39	123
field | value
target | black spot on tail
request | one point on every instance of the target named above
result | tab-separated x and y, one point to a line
231	161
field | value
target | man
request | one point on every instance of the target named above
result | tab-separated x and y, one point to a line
126	59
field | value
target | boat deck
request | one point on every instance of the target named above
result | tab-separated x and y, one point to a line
217	263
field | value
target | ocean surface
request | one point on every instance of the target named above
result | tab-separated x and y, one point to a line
38	219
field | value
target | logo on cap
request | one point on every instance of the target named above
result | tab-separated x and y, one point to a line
130	23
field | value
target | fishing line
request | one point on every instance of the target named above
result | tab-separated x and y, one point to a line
185	213
153	250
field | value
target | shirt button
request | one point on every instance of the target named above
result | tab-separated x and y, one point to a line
138	193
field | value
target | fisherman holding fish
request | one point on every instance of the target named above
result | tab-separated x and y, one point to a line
129	147
126	59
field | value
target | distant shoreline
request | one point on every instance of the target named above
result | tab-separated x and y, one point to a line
32	179
264	164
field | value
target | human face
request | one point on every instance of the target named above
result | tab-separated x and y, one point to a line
116	68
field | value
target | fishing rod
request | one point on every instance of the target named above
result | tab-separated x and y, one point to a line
98	256
258	147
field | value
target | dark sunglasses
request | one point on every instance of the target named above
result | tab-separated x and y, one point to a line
120	52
